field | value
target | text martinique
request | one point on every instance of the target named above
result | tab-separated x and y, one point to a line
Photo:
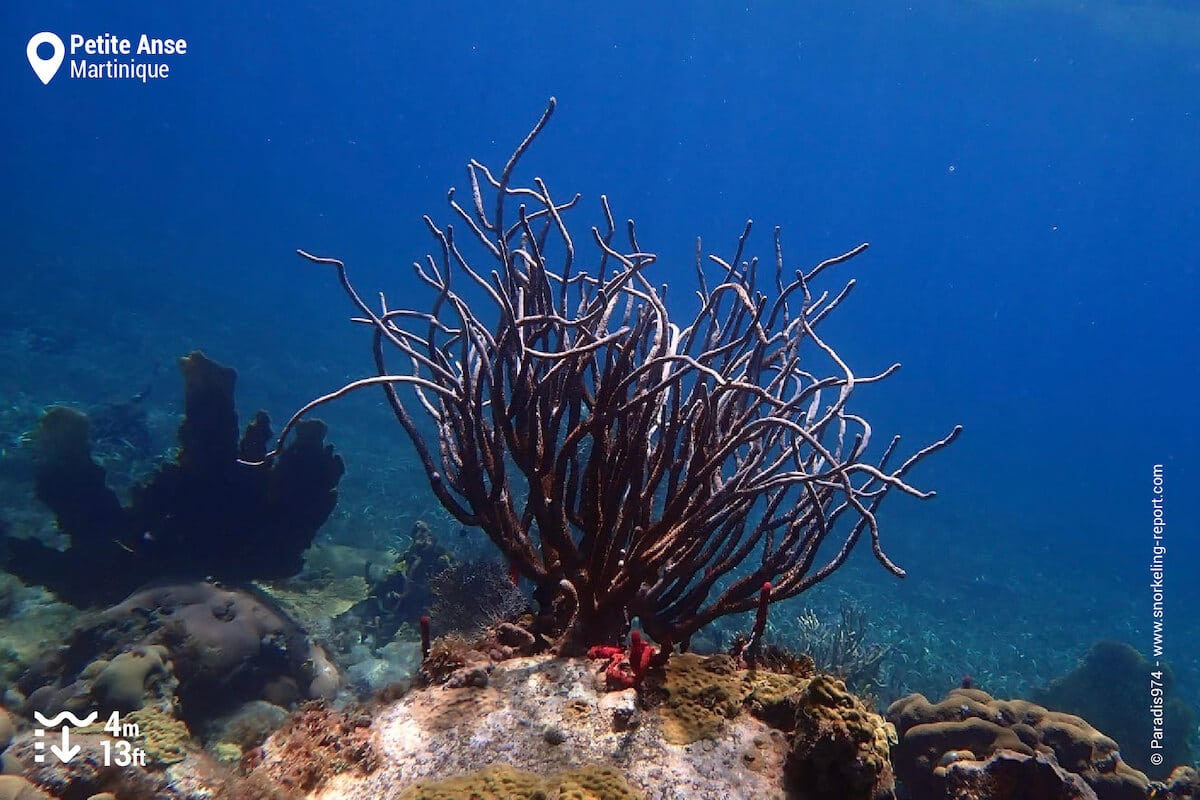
109	45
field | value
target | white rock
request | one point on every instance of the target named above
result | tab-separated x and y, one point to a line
437	733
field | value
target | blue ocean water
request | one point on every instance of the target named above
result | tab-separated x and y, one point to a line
1026	174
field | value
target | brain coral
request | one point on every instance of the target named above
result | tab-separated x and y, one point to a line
969	723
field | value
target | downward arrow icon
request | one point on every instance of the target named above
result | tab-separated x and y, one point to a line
67	751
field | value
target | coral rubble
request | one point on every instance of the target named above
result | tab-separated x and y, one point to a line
316	744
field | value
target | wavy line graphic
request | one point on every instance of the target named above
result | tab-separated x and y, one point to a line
56	720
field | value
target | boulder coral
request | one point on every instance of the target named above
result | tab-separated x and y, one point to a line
120	684
1087	692
1009	775
840	747
195	650
970	725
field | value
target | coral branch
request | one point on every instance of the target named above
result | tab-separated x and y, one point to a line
627	465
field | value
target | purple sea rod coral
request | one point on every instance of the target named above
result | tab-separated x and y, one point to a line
625	464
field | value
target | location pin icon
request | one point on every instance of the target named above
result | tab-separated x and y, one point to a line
45	67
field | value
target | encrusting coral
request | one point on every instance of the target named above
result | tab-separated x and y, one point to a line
165	739
700	694
839	747
502	782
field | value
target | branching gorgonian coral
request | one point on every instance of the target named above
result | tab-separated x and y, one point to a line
627	464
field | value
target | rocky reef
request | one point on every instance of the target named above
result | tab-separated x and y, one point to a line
194	651
647	474
704	728
486	720
199	673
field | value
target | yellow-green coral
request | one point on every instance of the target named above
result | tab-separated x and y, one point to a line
323	598
165	739
704	692
502	782
593	783
227	752
840	748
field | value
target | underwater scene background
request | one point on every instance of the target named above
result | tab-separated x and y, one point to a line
1025	172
